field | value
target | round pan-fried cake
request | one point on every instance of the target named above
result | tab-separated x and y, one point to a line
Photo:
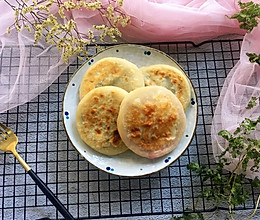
96	119
111	71
170	78
151	121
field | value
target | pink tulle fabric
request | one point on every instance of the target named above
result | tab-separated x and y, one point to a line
170	20
25	71
242	83
180	20
31	71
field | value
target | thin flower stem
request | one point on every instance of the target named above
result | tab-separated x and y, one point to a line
257	203
230	212
237	166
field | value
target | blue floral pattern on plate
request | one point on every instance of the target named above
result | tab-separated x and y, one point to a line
90	62
109	169
67	114
192	101
167	160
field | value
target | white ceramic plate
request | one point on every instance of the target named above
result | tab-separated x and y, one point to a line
128	163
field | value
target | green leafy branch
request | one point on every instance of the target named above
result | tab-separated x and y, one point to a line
61	31
249	15
229	186
249	18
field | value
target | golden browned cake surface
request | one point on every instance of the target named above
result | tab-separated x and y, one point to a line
170	78
96	119
111	71
151	121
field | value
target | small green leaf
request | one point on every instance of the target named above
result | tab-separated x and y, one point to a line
200	215
253	102
248	15
225	134
256	182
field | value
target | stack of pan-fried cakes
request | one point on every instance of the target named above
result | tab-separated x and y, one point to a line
125	107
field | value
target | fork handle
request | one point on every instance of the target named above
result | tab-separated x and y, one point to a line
55	201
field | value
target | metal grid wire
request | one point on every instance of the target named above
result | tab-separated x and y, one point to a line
91	193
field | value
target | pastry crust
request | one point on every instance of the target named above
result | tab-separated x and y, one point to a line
151	121
170	78
96	120
111	71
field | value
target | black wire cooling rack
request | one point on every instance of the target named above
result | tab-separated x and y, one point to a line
90	193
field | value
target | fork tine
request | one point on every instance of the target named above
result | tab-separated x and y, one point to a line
3	134
2	139
8	130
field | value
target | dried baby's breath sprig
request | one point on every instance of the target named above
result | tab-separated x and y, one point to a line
59	30
115	18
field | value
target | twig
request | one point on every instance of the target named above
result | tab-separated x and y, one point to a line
257	203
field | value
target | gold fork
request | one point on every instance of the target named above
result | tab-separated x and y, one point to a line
8	142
